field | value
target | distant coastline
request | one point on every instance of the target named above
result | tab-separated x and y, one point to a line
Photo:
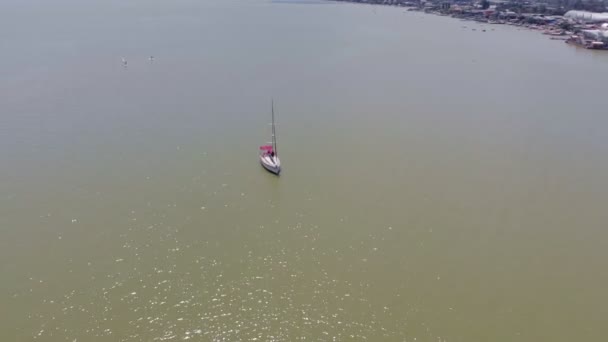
581	28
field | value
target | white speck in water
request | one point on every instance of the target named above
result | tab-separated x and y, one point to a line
74	220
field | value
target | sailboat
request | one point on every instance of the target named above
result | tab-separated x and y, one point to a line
269	157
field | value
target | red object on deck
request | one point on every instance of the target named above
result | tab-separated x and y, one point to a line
267	148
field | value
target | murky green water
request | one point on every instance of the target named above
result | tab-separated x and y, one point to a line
440	184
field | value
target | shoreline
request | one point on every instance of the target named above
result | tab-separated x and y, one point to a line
556	27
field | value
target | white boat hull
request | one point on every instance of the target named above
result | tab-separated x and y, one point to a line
272	164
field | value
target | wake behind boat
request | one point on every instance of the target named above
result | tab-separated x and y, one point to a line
269	157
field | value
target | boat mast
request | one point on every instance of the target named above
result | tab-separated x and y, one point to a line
274	137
